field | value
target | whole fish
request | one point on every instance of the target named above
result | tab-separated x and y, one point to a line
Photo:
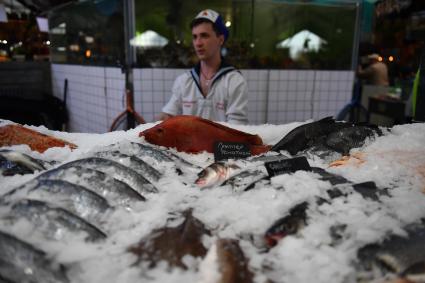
17	134
326	134
21	262
287	225
215	174
113	190
193	134
172	244
54	221
303	136
134	163
14	162
241	174
116	170
77	199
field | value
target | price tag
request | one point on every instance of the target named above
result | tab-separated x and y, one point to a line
285	166
231	150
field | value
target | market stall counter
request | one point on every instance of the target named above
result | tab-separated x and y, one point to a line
322	201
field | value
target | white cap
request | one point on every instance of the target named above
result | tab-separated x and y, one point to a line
208	14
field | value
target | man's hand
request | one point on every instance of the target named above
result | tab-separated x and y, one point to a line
164	116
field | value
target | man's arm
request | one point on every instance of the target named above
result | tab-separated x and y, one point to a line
236	112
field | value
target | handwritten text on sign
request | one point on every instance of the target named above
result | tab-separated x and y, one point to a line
228	150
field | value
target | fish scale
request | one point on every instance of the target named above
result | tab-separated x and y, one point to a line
116	170
114	191
53	220
21	262
162	155
135	163
77	199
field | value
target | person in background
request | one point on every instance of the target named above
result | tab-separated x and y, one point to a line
212	89
376	73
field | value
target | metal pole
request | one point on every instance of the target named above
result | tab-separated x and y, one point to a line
130	55
356	39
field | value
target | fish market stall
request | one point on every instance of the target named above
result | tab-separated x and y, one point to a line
317	201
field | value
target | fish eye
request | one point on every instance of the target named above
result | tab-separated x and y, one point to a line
290	228
159	130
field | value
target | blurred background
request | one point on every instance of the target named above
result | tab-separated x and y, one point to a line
67	64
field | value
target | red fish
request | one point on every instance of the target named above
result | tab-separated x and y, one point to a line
193	134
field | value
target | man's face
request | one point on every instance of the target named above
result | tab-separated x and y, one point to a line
205	41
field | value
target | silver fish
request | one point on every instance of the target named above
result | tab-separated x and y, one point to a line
134	163
116	170
21	262
13	162
245	180
215	174
114	191
53	221
241	176
158	155
77	199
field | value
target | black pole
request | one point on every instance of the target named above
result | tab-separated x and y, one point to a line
129	32
420	95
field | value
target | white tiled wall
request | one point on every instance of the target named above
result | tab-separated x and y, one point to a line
96	94
94	98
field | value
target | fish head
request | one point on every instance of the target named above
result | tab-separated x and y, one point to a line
207	177
215	174
286	226
162	134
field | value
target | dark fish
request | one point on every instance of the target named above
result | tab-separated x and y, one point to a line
134	163
171	244
232	263
415	272
304	136
396	254
330	177
344	139
287	225
54	221
21	262
114	191
326	135
368	190
13	162
77	199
